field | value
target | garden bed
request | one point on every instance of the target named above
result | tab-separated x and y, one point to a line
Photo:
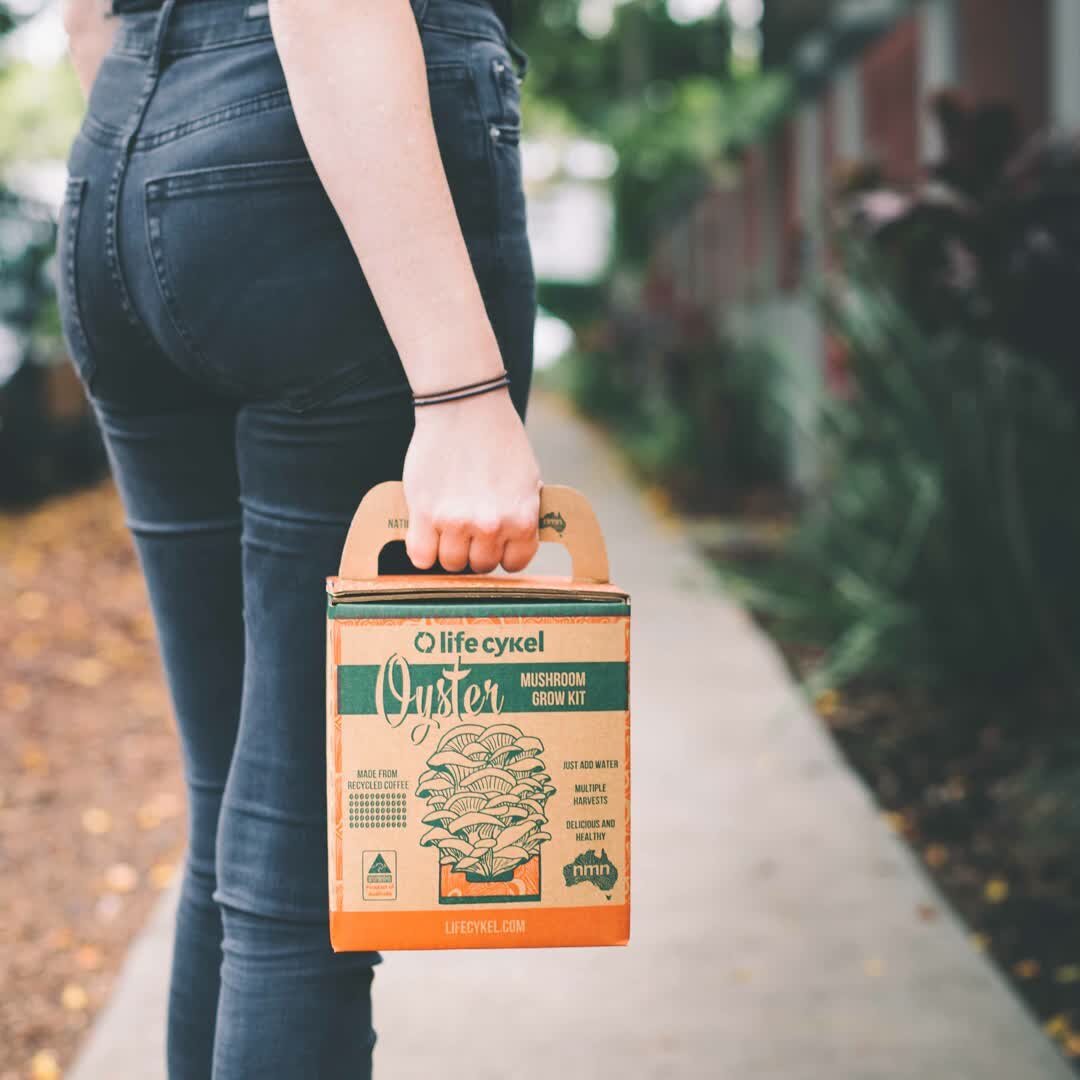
962	794
91	812
989	805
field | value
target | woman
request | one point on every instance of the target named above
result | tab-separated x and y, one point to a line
283	223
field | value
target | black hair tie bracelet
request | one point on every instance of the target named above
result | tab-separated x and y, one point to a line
485	386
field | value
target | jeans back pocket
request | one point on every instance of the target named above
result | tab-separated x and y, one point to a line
262	292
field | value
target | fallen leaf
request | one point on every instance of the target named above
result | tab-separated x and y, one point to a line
74	998
96	821
1071	1046
927	912
31	605
34	759
874	967
896	821
17	696
956	789
1057	1026
996	891
163	805
1026	969
121	878
88	957
1067	973
826	703
25	563
60	938
44	1066
161	874
88	672
936	855
980	942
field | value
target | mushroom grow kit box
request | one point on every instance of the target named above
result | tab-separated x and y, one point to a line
478	746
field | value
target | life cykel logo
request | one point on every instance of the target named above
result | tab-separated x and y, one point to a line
462	643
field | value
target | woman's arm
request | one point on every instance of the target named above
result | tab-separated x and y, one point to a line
358	84
90	33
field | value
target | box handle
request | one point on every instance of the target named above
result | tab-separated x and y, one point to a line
565	518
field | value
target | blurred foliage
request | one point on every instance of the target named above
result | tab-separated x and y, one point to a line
700	420
942	544
675	141
993	243
661	93
41	111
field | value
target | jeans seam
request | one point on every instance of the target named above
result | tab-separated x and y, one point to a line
75	193
107	135
194	182
489	155
112	203
499	37
157	258
212	46
266	102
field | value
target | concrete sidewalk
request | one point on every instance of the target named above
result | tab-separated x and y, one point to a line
780	930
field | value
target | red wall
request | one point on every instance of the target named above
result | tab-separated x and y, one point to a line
889	76
1004	55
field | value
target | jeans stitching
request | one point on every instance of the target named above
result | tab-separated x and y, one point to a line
107	135
157	257
74	194
272	99
499	37
136	53
251	174
112	202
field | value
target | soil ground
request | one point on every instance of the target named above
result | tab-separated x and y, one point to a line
91	811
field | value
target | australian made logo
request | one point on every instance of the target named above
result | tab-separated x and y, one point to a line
597	870
553	520
380	875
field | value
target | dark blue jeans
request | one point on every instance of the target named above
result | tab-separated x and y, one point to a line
250	395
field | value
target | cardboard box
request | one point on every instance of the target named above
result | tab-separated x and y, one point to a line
478	746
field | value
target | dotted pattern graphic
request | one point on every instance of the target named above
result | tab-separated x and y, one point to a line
377	810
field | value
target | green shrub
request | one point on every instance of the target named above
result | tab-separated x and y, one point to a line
943	543
701	421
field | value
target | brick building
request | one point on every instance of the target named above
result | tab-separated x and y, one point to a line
864	80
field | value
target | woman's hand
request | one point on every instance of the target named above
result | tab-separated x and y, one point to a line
90	34
472	486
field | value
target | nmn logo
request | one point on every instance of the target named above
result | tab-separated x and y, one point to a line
598	870
553	520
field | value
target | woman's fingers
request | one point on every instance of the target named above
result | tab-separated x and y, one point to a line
522	539
518	554
453	545
485	547
421	542
479	542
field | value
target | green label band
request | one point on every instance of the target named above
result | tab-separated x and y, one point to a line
460	689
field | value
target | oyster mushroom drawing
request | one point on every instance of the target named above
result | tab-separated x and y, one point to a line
486	790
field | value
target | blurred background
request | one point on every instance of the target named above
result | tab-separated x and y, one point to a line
811	266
